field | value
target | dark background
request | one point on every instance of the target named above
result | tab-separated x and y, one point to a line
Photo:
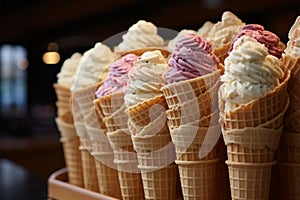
76	25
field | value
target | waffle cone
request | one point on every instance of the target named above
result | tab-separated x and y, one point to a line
84	98
198	179
180	92
130	183
89	169
258	111
70	142
193	143
250	180
251	145
292	64
98	109
107	176
63	93
222	52
289	151
178	116
276	122
126	161
140	114
73	160
160	183
113	108
64	112
290	180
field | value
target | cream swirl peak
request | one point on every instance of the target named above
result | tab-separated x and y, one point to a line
250	72
140	35
258	32
293	45
92	66
117	76
145	78
172	43
223	32
66	75
192	58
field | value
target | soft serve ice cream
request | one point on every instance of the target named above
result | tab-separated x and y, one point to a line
250	73
293	45
140	35
224	31
93	64
192	58
66	75
146	78
118	75
172	43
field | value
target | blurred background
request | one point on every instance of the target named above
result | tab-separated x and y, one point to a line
31	28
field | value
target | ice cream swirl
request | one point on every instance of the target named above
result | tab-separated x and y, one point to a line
66	75
192	58
118	75
145	78
93	64
140	35
223	32
293	45
250	72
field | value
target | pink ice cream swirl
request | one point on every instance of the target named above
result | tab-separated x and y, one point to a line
117	77
191	58
258	32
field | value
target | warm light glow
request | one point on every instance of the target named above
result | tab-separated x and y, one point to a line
51	57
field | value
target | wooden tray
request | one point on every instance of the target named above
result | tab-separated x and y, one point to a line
60	189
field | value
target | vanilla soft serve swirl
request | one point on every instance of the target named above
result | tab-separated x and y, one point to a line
140	35
146	78
250	72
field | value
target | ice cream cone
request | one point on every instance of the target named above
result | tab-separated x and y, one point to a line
63	93
250	180
63	103
198	179
141	114
126	161
107	174
155	157
110	109
222	52
258	111
193	143
70	142
89	169
160	183
180	92
155	150
73	160
251	145
277	121
292	64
